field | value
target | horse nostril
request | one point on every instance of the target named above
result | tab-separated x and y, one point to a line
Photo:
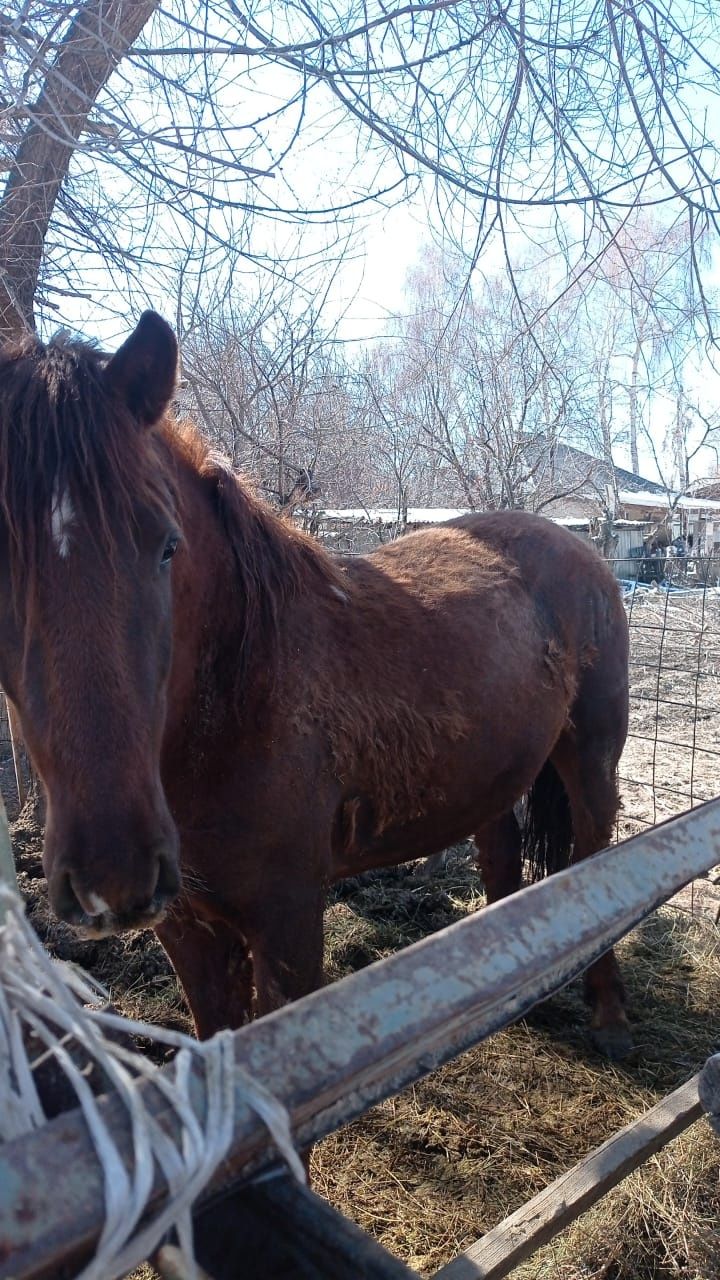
64	900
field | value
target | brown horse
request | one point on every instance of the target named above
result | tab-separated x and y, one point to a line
226	719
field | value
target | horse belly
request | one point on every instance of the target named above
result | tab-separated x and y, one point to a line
464	782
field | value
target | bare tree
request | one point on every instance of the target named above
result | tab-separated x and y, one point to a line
41	136
269	386
646	283
693	433
467	405
394	452
128	131
484	398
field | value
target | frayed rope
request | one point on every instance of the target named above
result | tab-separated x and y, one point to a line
46	998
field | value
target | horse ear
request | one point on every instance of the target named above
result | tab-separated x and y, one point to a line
144	370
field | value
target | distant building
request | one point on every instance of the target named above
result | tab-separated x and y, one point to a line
620	512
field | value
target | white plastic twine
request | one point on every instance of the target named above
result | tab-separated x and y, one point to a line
46	997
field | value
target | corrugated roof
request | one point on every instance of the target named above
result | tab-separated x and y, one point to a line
629	497
389	515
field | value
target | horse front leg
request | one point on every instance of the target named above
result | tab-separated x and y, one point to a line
499	857
286	941
214	968
287	952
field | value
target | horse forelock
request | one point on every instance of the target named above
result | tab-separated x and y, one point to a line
69	453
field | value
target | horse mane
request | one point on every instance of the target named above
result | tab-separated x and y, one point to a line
61	432
275	562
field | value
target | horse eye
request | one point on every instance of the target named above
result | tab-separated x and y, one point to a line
171	547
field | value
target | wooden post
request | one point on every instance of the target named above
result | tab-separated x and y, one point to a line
709	1091
16	743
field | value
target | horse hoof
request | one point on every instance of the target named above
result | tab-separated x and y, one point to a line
614	1043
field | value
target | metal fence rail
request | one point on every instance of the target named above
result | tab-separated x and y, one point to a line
334	1054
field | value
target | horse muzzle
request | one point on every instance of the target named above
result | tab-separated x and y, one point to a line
106	924
101	906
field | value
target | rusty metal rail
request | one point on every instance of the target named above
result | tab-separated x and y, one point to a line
337	1052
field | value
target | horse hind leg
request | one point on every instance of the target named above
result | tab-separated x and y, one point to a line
588	775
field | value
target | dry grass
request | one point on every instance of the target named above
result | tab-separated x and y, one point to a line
662	1222
430	1171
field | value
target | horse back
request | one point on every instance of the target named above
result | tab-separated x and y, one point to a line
572	587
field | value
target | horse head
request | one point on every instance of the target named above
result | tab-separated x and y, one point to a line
88	529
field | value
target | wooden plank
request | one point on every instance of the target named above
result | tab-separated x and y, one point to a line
333	1054
570	1195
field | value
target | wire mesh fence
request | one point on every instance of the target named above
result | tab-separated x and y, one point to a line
672	759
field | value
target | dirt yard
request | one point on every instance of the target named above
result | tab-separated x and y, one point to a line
431	1170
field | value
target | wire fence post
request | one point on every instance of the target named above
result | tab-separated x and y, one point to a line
8	878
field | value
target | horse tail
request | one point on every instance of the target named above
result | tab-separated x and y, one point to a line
547	834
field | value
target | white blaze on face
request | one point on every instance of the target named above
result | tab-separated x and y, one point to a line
61	519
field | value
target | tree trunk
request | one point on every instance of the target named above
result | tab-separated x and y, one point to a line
633	415
99	37
681	457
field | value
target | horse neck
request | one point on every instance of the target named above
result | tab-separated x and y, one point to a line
240	567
